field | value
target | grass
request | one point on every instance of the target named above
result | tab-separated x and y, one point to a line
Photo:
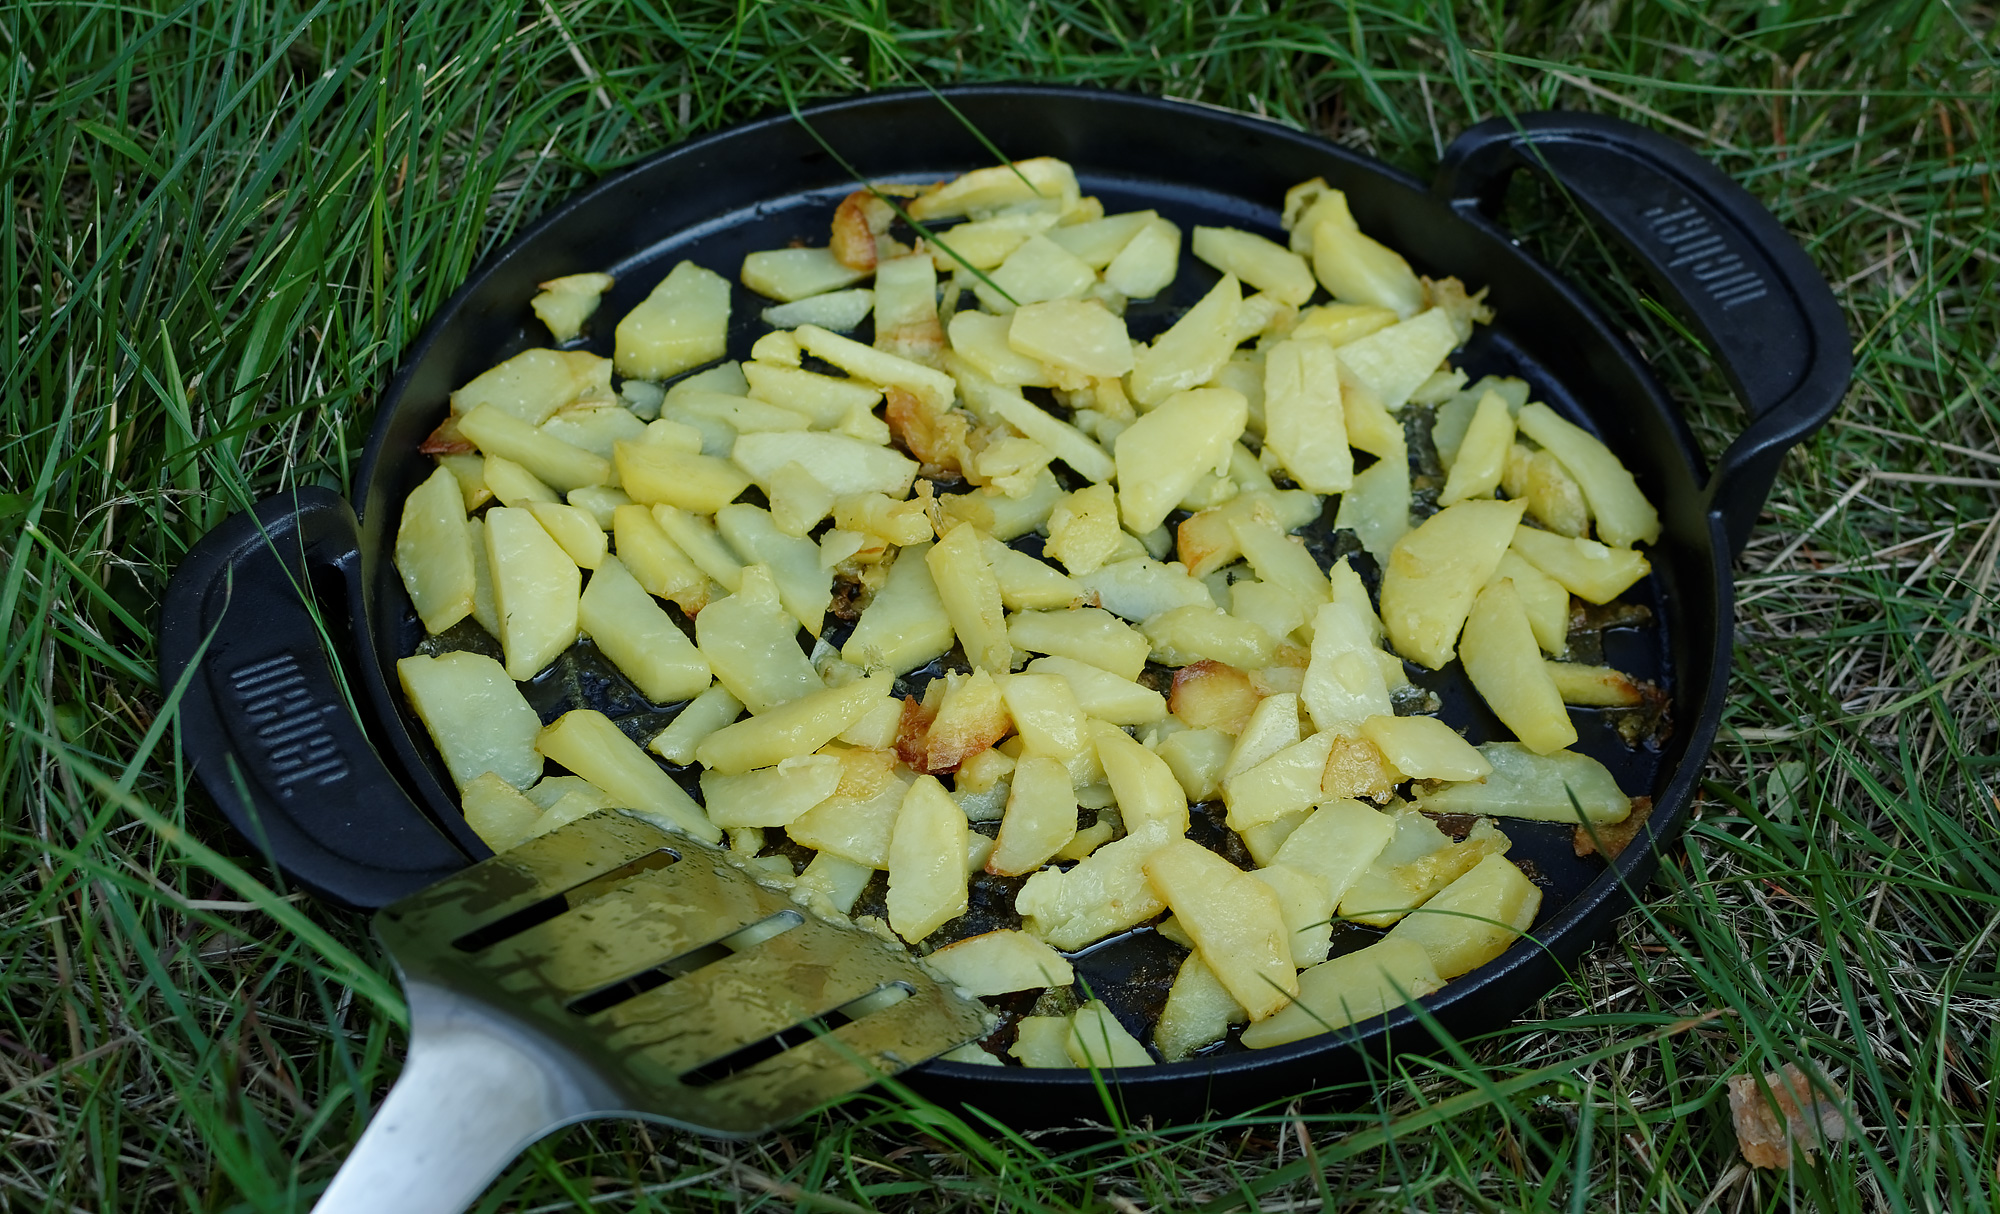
223	222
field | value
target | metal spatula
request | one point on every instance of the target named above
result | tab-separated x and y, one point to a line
610	968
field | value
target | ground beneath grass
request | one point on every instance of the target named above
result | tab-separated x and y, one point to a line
224	223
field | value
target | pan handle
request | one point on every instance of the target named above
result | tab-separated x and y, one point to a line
266	719
1729	268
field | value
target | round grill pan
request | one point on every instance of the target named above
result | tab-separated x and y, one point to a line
354	804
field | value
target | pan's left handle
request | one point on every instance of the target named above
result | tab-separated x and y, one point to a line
1724	263
266	719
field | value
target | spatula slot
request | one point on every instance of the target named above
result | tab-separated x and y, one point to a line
879	999
561	903
686	963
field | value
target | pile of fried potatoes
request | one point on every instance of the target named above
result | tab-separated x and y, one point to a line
915	471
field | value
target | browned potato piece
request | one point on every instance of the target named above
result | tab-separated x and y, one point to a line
1210	695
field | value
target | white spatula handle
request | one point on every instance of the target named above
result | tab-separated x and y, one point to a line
474	1093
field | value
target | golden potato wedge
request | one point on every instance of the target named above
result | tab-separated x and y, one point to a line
1106	892
1285	783
1523	784
855	826
795	728
1357	269
1262	263
843	464
652	472
707	712
536	588
1199	1011
1347	989
589	744
641	640
475	715
1148	262
771	796
926	861
823	398
1594	686
1040	818
1273	725
1161	456
1184	636
434	552
998	962
656	562
682	324
1481	456
1213	695
1040	1041
1419	860
1425	748
1149	795
1474	919
1586	568
574	530
1189	353
497	812
970	593
1307	907
751	644
1435	573
905	625
1624	516
1504	662
1235	920
791	274
1104	695
552	461
1079	339
1097	242
1087	634
1096	1039
1305	426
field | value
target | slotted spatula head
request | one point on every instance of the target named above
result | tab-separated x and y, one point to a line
611	967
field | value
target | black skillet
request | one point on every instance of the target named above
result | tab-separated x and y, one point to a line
354	805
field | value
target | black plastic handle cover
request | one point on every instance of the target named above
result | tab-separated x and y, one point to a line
1730	269
264	720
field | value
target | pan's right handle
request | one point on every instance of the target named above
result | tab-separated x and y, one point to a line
1725	263
265	719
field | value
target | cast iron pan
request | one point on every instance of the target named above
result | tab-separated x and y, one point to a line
354	805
